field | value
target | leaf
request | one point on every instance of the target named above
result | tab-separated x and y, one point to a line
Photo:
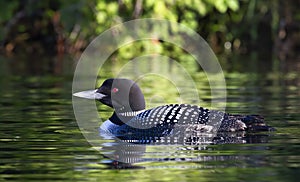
233	4
221	6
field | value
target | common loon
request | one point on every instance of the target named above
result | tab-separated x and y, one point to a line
130	118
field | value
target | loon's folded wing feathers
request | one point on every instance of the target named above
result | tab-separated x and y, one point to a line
160	121
180	114
184	123
163	119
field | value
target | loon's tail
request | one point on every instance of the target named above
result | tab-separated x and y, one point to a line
253	122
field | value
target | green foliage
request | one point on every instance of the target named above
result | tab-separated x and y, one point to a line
78	19
190	13
77	22
7	8
187	12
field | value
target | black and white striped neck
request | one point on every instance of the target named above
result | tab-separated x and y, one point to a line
131	113
120	118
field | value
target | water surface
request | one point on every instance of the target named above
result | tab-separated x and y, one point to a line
40	138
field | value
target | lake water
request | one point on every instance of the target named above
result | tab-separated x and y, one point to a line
40	138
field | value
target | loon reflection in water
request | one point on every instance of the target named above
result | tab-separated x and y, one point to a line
174	123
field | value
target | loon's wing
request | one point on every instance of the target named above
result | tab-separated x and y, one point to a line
185	124
169	115
182	119
163	120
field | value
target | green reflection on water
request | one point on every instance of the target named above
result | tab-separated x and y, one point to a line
40	139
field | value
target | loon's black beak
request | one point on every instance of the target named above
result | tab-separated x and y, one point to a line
90	94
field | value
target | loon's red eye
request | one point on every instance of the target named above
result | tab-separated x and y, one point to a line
115	90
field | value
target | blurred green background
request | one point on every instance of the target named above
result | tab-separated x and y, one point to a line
267	32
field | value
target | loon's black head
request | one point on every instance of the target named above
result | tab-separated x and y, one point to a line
121	94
